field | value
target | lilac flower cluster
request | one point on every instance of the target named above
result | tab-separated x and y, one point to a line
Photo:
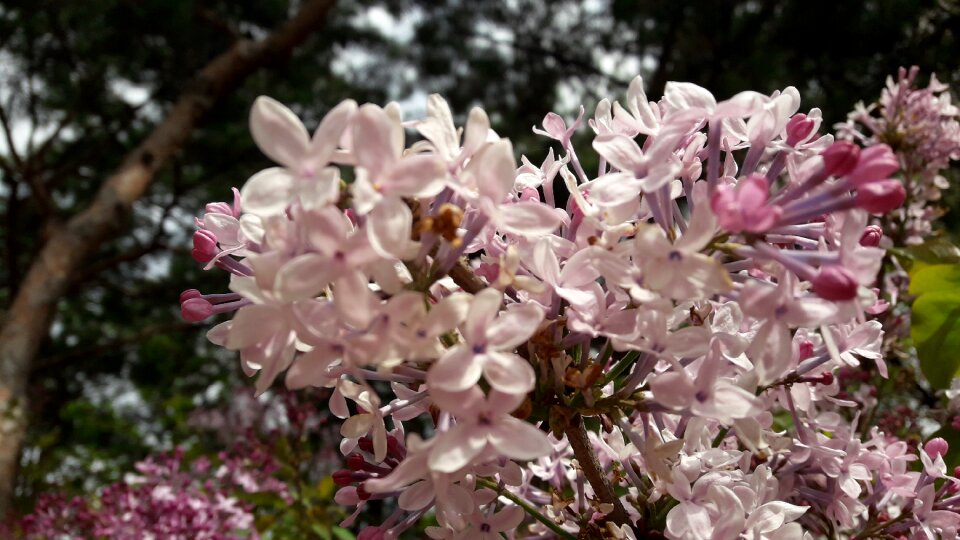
167	499
654	355
921	125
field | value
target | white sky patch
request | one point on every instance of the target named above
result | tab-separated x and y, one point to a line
399	29
131	93
497	38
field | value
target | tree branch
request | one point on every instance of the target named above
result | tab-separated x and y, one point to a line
583	450
50	273
8	136
12	239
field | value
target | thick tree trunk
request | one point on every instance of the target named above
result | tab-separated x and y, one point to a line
28	321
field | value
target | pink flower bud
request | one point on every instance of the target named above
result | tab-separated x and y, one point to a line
352	216
835	283
196	309
876	163
881	197
799	128
840	158
355	462
366	444
204	246
218	208
395	448
936	447
806	349
826	378
871	236
955	423
343	477
530	194
745	207
188	294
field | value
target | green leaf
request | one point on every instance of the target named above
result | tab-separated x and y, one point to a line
935	278
323	531
933	251
343	534
935	329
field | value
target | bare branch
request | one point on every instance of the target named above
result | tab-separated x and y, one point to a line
71	246
8	135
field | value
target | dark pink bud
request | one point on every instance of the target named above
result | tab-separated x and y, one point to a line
196	309
351	215
204	246
835	283
806	349
871	236
876	163
826	378
395	448
936	447
343	477
881	197
799	128
355	462
840	158
365	444
188	294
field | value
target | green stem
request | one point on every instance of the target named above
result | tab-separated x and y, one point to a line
620	367
605	354
528	508
870	532
720	436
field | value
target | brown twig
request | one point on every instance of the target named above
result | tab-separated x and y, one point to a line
583	450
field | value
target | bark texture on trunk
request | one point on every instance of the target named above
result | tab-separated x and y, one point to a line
27	323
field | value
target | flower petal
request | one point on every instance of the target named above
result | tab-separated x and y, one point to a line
528	219
513	327
483	309
508	373
388	228
328	133
517	439
373	143
455	371
456	448
268	192
278	132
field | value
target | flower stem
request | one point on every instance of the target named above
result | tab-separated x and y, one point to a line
528	508
583	450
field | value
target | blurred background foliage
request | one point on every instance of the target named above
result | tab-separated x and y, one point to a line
83	82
